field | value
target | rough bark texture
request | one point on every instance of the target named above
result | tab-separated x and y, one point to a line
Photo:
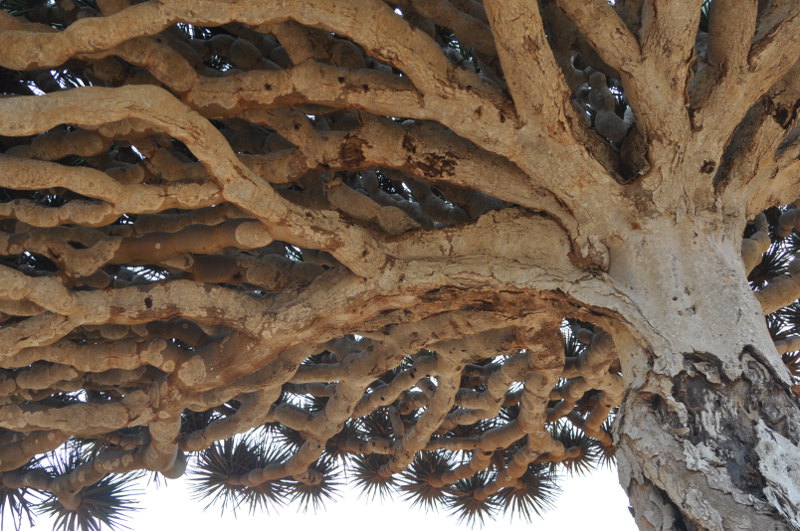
444	240
707	428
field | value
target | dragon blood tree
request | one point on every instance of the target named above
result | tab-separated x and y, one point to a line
433	244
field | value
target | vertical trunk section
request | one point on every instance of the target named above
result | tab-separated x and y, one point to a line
709	429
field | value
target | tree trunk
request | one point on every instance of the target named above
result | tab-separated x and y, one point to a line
709	427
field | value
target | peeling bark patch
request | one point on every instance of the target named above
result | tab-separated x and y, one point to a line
434	166
722	461
728	421
780	463
713	416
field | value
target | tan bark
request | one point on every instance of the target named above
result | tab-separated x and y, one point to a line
389	210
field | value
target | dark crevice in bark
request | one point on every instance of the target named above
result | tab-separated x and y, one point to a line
711	449
662	513
758	356
741	137
735	440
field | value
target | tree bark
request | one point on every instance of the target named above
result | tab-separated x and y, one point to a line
709	428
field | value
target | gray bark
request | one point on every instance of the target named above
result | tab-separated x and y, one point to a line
709	430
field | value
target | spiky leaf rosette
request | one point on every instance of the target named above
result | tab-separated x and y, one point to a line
350	430
194	420
322	487
17	7
368	477
106	502
792	362
317	403
605	455
534	493
17	505
773	263
508	413
572	346
463	503
377	425
287	437
416	480
217	467
785	322
571	437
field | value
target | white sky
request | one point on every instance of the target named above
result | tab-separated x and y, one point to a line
595	502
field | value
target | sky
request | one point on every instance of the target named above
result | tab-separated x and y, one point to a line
595	501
